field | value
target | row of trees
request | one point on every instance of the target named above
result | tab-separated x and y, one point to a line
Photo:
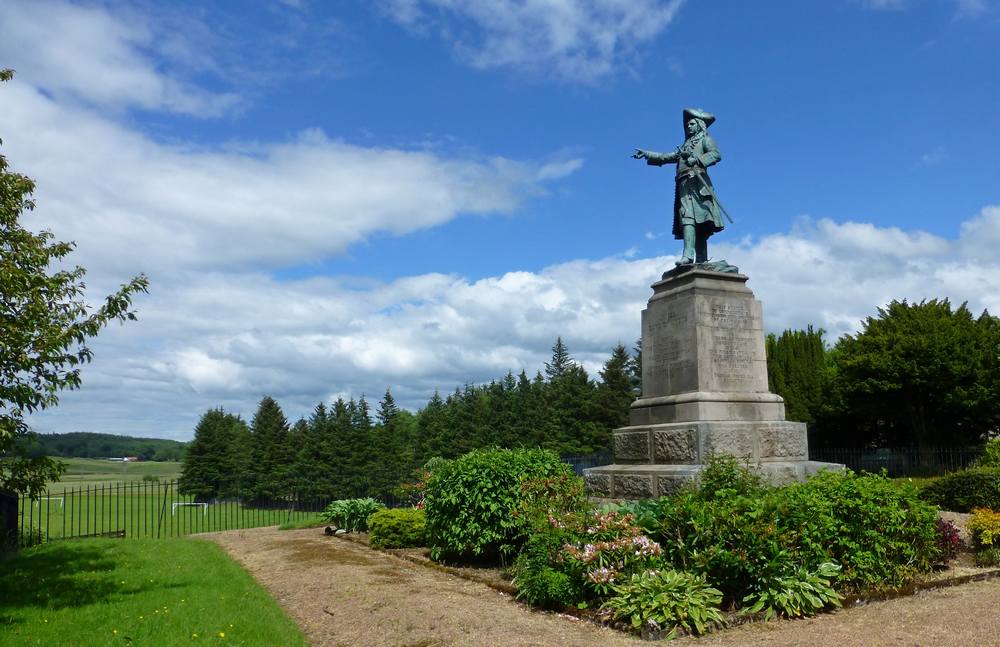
344	451
921	374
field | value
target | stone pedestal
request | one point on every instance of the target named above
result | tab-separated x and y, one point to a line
704	391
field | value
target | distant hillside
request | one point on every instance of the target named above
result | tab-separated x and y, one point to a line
88	445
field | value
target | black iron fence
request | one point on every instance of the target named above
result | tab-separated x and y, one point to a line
147	509
582	462
901	461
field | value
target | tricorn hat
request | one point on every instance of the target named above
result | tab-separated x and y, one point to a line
698	113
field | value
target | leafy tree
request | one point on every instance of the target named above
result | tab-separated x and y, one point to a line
44	327
922	373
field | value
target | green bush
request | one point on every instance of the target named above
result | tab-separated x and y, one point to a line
399	528
674	600
351	514
880	532
471	501
538	580
991	454
726	476
962	491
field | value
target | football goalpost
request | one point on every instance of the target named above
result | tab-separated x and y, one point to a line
173	507
61	500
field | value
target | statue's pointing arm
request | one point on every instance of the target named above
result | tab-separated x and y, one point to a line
659	159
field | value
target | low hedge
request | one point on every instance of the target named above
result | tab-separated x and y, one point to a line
962	491
397	528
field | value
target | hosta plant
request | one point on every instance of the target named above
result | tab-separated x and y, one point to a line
675	600
802	593
351	514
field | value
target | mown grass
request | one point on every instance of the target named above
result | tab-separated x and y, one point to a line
83	472
308	522
100	592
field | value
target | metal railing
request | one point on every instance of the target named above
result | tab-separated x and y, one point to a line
147	509
900	461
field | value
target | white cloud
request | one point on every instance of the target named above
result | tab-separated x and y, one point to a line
136	203
226	338
972	8
581	41
89	55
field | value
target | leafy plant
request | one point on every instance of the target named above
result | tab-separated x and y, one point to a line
351	514
880	532
471	501
984	527
674	600
988	557
991	454
949	542
962	491
398	528
726	476
800	594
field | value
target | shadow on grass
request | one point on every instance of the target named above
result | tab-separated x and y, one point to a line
59	575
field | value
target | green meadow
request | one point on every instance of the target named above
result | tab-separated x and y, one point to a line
100	592
82	472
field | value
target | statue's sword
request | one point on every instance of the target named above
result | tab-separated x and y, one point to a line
715	197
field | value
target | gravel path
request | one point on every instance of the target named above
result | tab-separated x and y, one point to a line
342	593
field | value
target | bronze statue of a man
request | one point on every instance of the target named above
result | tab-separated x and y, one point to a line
697	212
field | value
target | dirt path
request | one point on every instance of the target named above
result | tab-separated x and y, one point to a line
342	593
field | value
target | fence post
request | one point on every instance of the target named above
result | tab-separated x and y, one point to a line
8	521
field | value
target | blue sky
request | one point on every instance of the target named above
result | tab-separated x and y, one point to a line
335	198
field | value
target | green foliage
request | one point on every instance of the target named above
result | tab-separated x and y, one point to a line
351	514
398	528
991	454
537	580
674	600
213	461
920	374
984	528
271	452
880	532
83	444
964	490
988	557
471	501
726	476
798	371
45	322
803	593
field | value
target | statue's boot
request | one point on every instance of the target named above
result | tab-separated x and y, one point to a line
701	249
688	256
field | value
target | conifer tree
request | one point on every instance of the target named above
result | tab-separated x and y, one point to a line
615	392
270	452
561	361
210	468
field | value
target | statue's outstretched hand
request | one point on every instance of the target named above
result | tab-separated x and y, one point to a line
639	154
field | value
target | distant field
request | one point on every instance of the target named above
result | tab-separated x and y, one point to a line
93	471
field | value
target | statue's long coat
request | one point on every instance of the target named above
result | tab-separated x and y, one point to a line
691	196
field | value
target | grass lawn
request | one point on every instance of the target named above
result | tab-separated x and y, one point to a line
91	471
142	592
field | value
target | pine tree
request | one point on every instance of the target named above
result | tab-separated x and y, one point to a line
270	454
210	468
615	393
561	361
